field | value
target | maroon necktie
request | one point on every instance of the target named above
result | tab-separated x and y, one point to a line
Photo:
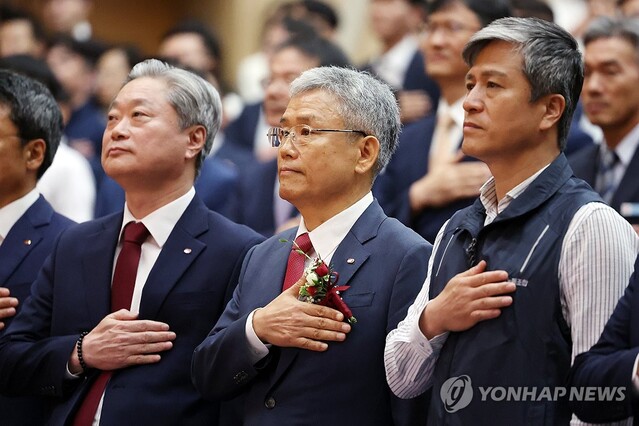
126	269
295	265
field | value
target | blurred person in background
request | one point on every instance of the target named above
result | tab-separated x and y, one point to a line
73	64
253	69
610	97
400	63
20	33
112	69
428	179
68	184
70	17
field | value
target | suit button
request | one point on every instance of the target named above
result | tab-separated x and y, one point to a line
270	403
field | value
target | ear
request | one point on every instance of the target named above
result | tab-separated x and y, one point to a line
197	138
34	152
368	153
554	106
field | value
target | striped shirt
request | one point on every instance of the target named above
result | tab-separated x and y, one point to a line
597	259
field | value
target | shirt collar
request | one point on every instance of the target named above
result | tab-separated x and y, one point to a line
326	237
456	111
13	211
161	222
488	194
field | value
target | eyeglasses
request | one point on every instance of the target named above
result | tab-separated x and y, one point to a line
299	135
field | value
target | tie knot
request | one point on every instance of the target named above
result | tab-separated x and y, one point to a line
303	242
445	120
135	232
609	157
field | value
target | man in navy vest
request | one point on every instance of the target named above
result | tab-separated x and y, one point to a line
524	279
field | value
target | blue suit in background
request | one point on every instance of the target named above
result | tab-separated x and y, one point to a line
385	264
585	163
187	288
610	362
22	254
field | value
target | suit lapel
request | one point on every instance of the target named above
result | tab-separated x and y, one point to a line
628	189
178	253
348	258
97	266
23	237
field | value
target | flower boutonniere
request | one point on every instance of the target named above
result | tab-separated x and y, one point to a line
321	286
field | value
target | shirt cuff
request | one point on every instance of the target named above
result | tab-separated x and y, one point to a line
258	350
433	345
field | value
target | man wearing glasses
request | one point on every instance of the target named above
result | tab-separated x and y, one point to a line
429	178
292	362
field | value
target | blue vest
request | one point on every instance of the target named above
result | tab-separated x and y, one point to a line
528	347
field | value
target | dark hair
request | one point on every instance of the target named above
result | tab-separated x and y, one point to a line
193	26
8	14
89	50
532	8
38	70
323	11
326	52
33	111
486	10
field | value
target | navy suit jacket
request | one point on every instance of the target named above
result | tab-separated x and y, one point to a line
610	362
239	137
187	289
585	163
385	264
22	254
409	164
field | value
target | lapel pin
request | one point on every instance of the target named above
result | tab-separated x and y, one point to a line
27	242
350	261
187	251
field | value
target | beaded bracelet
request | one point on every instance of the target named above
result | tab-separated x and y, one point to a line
78	345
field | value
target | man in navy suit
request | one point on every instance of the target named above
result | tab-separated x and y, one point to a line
67	336
611	100
612	362
29	139
295	363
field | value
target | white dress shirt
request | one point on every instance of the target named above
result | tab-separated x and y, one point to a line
456	130
160	224
13	211
392	65
625	151
597	258
325	239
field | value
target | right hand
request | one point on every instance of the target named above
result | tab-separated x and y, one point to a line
288	322
468	298
7	305
121	340
448	182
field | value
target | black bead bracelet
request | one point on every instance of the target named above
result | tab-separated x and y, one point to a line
78	345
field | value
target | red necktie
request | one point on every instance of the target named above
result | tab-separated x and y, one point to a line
126	269
295	265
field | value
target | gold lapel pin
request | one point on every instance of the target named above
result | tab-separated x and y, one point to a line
350	261
27	242
187	251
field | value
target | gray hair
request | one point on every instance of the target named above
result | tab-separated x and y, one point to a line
551	60
363	102
195	100
606	27
34	112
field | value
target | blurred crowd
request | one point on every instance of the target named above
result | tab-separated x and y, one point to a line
239	177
